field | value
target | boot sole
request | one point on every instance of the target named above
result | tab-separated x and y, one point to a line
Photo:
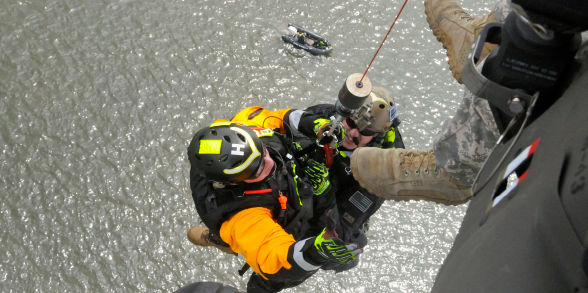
441	37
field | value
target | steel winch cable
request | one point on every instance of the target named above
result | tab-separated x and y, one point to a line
381	44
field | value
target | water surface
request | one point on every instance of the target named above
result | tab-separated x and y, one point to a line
99	99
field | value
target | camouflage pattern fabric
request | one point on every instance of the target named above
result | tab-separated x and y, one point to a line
466	140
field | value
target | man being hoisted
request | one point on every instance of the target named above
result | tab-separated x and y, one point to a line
255	202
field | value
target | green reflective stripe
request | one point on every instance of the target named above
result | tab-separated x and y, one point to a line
336	250
296	183
391	135
221	123
210	147
322	187
319	240
254	153
296	146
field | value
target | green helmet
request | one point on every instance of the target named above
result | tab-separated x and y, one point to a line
377	113
226	152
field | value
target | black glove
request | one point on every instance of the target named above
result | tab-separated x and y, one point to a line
318	175
327	249
334	249
330	246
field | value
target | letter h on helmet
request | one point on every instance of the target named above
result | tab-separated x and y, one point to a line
227	152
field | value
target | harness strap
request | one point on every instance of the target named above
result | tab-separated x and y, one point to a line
328	155
244	269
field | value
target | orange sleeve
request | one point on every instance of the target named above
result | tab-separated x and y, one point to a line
263	242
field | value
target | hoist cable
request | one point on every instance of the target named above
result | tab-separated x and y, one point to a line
376	54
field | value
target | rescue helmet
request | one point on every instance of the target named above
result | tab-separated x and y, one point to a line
227	152
376	114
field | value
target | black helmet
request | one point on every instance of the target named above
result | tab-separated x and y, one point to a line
226	152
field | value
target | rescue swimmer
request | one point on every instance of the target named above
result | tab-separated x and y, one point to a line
374	124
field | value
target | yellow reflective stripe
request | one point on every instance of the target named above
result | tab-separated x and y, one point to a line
210	147
377	99
254	153
221	123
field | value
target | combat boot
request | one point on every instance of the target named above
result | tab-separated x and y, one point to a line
201	236
400	174
456	30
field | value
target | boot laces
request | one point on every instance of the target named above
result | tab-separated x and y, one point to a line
420	162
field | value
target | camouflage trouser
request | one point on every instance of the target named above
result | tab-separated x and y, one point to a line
467	139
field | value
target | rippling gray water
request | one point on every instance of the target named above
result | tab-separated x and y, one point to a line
99	99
